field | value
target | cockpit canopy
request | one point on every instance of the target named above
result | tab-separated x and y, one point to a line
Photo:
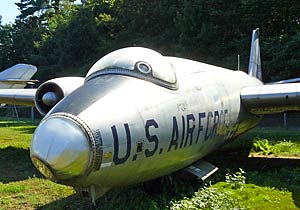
137	62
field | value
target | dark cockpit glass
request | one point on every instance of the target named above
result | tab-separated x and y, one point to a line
136	62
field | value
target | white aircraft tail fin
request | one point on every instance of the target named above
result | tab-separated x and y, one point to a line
17	76
254	68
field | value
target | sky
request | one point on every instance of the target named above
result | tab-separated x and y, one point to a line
8	11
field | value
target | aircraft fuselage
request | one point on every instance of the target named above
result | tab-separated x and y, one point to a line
140	130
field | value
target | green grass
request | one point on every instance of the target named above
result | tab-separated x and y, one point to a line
21	185
249	196
278	149
260	187
277	142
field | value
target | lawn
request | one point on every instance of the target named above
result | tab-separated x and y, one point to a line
260	184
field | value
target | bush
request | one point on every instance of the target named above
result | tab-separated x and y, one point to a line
262	146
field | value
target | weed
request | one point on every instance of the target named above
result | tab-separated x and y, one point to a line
19	191
262	146
236	180
286	148
13	188
207	197
276	148
212	197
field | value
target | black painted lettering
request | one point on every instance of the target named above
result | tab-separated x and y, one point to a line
117	160
183	131
189	132
200	128
222	122
151	138
225	117
174	139
215	126
208	131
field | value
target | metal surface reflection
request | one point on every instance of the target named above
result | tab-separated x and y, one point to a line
61	146
139	115
50	98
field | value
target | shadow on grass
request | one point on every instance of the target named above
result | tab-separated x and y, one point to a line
25	130
16	165
261	172
158	194
71	202
23	127
131	197
269	172
16	123
283	174
296	198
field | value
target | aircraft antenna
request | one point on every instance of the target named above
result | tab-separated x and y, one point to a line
238	62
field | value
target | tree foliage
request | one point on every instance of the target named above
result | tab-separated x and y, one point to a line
63	37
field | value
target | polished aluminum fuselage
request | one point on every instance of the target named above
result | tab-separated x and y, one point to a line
145	131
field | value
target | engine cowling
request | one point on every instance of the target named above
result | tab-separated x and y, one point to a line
52	91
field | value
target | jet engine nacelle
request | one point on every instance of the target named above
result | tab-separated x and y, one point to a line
52	91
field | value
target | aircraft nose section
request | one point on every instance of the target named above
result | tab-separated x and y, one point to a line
61	148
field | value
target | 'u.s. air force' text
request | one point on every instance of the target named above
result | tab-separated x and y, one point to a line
181	136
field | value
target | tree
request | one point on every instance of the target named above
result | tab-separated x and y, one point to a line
5	46
61	37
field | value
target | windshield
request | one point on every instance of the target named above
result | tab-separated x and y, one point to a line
137	62
89	93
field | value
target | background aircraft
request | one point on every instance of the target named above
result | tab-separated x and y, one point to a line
17	76
138	115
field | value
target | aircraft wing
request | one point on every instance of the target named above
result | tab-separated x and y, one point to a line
46	96
294	80
274	98
23	97
17	76
19	81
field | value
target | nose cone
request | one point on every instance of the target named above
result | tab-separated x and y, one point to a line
60	149
50	98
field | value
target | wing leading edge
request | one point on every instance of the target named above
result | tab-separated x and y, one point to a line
25	97
269	99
